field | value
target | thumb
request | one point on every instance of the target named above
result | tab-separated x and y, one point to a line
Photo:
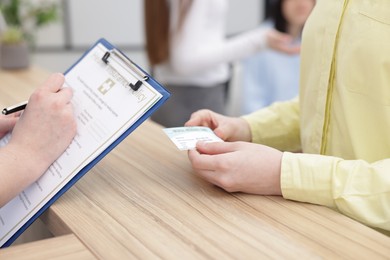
214	147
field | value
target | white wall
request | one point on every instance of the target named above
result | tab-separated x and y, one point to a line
244	14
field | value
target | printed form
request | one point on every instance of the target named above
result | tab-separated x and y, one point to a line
105	107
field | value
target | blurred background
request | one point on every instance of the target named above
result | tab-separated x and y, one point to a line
80	23
121	22
60	39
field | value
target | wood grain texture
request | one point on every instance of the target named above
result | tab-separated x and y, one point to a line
64	247
144	201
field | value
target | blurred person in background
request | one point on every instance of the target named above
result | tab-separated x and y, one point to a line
271	75
190	54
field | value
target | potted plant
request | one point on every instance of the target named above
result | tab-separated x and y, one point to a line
13	49
21	20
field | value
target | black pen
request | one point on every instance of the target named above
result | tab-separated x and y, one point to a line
15	108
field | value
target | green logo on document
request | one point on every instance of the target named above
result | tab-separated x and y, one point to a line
106	86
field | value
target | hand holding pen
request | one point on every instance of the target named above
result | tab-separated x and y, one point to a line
47	125
39	136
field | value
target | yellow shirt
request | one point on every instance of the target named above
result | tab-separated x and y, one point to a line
342	119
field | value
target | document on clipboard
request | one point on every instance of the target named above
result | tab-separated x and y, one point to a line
111	97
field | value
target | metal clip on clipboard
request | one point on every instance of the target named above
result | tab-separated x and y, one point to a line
139	74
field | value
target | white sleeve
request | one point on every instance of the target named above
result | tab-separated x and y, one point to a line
197	47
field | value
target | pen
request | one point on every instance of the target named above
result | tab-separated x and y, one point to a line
15	108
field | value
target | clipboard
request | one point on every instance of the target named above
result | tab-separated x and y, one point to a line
142	77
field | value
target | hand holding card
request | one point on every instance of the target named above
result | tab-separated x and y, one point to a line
185	138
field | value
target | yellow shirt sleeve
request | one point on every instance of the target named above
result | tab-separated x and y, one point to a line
277	126
356	188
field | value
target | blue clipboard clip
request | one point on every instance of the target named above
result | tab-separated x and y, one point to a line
140	75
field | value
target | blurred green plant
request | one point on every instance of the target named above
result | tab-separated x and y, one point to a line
27	16
13	35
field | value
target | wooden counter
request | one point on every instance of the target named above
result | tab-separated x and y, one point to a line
143	201
64	247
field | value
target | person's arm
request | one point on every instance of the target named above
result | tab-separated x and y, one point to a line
242	166
356	188
277	126
40	136
187	59
196	46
